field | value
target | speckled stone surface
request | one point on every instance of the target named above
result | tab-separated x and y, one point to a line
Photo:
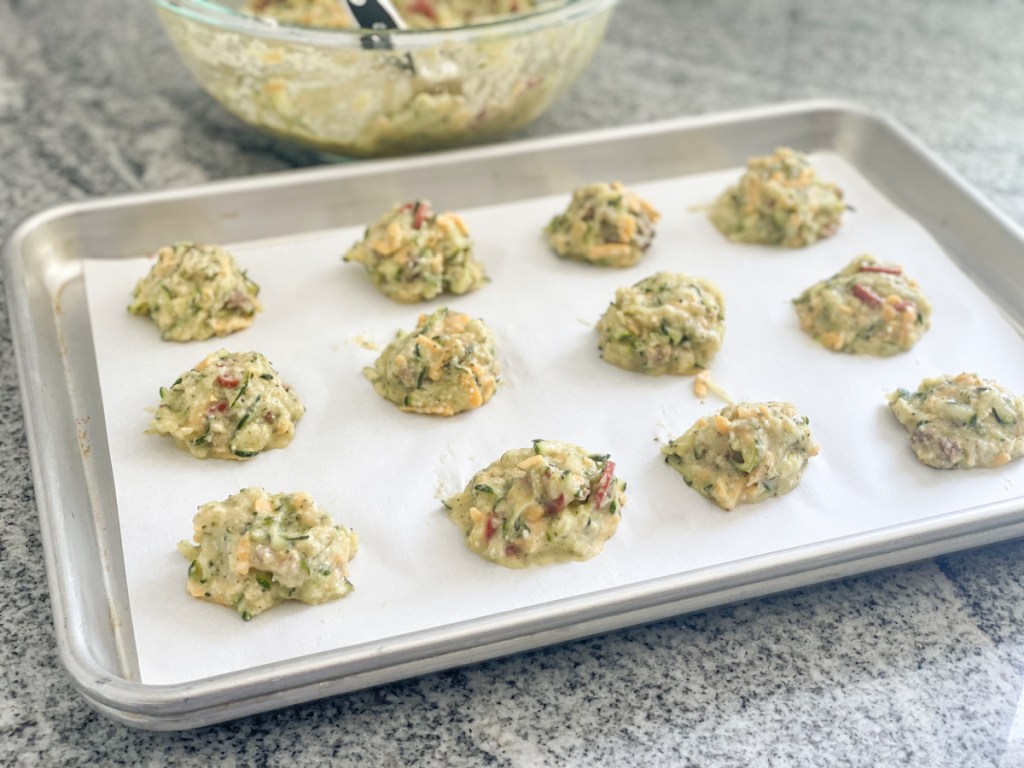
918	666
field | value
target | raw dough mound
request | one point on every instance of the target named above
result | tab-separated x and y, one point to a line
605	224
413	254
867	308
194	292
779	200
255	550
961	422
232	405
746	453
666	323
547	503
445	365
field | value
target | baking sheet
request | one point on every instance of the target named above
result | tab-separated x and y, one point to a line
383	472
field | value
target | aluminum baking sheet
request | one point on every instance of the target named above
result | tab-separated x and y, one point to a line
853	511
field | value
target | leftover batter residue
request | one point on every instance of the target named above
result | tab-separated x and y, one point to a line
418	14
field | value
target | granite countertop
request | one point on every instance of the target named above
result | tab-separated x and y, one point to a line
921	665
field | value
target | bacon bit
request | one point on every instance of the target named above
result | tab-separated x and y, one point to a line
489	528
238	300
885	269
424	8
866	295
229	382
604	483
555	506
218	407
510	550
903	305
420	214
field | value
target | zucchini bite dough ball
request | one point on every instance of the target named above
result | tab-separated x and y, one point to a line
194	292
961	422
666	323
779	200
445	365
232	405
412	254
547	503
254	550
867	308
746	453
605	224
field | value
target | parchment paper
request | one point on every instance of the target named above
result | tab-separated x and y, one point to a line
383	472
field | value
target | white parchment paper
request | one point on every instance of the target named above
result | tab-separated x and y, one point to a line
384	472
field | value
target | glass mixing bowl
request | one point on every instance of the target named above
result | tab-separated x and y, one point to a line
429	89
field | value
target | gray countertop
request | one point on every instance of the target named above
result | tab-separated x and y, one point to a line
921	666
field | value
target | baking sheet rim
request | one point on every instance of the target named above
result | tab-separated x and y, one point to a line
518	624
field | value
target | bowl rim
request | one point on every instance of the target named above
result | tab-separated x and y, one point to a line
550	14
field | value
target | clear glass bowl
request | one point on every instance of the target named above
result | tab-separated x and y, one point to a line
429	89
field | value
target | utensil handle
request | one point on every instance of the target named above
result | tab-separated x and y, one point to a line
376	14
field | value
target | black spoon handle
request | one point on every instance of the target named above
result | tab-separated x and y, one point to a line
375	14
